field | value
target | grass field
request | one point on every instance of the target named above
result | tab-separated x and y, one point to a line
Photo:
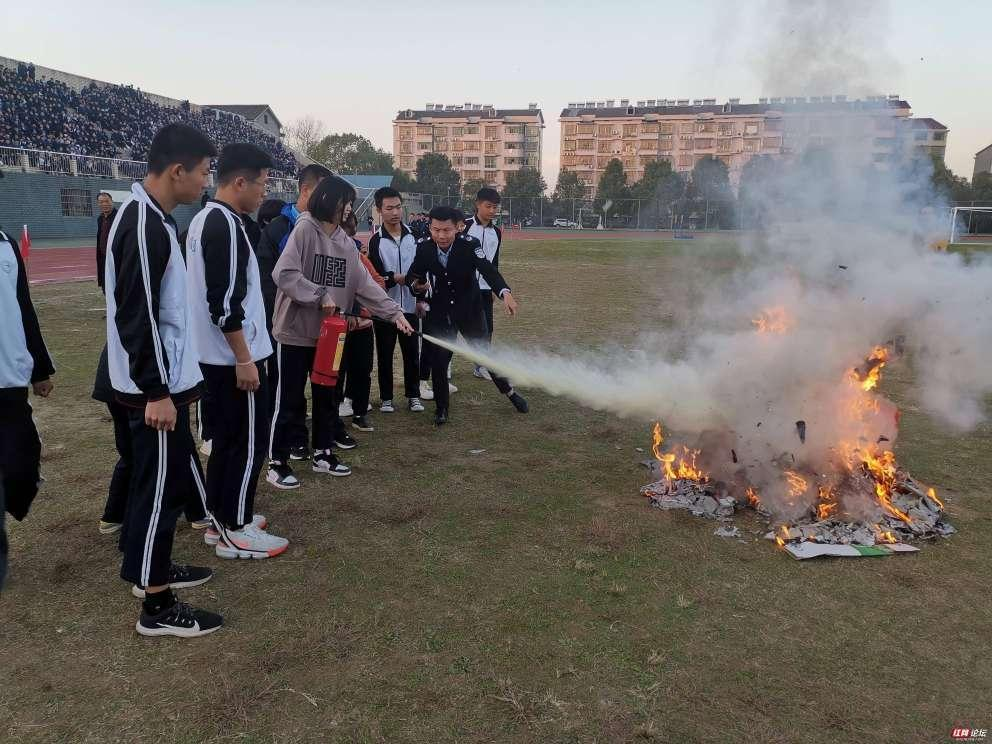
525	594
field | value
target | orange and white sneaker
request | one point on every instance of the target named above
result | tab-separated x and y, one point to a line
249	542
211	537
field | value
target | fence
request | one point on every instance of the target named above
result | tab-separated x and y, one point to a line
629	214
66	164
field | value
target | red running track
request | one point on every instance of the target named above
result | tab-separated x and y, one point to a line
55	265
78	263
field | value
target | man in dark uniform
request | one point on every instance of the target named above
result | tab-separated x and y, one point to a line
445	275
103	223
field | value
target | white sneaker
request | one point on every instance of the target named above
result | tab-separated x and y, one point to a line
425	391
250	542
345	408
281	476
387	407
416	406
212	536
206	447
452	388
482	373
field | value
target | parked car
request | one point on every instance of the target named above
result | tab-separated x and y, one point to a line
567	224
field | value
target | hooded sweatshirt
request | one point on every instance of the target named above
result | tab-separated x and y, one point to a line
315	265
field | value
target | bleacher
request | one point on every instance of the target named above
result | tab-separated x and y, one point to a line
89	119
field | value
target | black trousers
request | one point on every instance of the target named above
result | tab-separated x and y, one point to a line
120	479
355	381
166	475
20	458
424	359
240	429
386	336
487	312
295	363
272	385
439	359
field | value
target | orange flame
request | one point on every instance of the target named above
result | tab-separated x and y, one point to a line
752	497
827	506
883	469
785	536
797	484
868	379
885	535
772	320
932	493
675	467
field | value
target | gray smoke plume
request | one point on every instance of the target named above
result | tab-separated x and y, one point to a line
843	264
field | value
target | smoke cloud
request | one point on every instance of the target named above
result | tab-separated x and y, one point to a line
842	265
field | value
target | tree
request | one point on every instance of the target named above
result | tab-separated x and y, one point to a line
305	134
951	187
403	181
711	179
981	188
612	190
436	176
526	188
711	183
469	189
569	187
352	153
659	182
761	189
659	188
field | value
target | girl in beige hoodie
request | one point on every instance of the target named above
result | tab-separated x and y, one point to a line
318	273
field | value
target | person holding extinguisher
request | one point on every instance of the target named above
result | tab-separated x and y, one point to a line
318	273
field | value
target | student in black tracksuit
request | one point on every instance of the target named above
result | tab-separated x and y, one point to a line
227	315
24	363
392	249
481	227
155	373
115	508
445	274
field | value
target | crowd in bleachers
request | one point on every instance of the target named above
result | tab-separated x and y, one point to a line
109	120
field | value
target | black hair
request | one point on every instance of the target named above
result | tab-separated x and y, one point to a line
269	210
443	213
328	199
313	174
241	159
178	143
488	194
386	192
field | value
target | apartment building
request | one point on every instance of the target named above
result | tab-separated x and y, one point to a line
683	131
983	162
482	142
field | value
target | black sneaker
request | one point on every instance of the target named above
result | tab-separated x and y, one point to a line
180	620
519	403
281	476
326	462
299	453
180	577
362	424
345	441
441	417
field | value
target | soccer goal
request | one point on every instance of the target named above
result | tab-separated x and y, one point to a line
972	225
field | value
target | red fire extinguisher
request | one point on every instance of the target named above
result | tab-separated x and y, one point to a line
330	347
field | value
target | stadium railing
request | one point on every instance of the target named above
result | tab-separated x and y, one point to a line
60	163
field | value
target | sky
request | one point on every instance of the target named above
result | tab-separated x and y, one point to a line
354	65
